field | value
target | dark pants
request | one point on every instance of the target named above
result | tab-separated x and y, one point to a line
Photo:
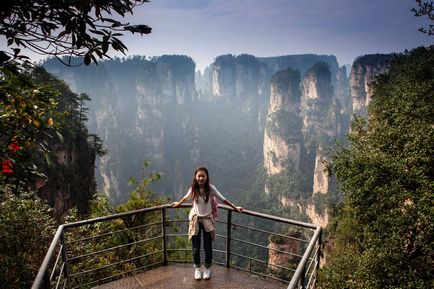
207	245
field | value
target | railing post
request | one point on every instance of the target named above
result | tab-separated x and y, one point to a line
46	280
228	239
64	255
302	278
319	251
163	214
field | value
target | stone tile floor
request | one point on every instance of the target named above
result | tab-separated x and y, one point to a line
180	276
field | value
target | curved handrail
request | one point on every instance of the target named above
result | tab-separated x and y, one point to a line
298	278
44	266
302	265
116	216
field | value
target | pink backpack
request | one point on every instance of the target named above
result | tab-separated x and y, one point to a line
214	207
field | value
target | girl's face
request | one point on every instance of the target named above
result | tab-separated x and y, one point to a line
201	178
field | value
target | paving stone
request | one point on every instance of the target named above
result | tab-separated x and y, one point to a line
180	276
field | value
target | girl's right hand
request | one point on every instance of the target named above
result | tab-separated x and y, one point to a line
176	204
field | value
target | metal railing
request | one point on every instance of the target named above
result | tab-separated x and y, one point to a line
88	253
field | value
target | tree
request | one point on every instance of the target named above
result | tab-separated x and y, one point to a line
66	28
425	8
28	117
386	174
31	112
26	229
54	28
39	118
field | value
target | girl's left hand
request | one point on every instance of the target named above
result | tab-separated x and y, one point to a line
239	209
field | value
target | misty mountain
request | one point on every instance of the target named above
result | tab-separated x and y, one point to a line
243	117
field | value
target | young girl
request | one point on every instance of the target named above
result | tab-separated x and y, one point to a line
201	218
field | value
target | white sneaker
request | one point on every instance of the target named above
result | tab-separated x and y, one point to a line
197	274
207	274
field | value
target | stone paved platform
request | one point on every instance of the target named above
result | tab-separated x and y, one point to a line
180	276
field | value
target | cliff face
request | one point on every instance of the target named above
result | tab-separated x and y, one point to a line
248	78
286	245
297	131
70	167
281	143
328	100
71	181
316	209
239	81
140	109
316	102
233	120
243	112
237	76
320	177
364	70
317	94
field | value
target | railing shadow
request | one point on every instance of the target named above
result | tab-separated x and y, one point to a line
88	253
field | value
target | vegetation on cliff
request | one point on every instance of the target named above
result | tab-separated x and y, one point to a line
286	125
69	166
384	230
287	82
373	60
45	139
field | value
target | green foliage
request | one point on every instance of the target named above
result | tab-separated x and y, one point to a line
26	229
287	82
340	271
301	61
227	60
178	65
247	60
47	120
287	183
321	202
320	68
386	174
28	118
373	60
72	28
425	8
286	125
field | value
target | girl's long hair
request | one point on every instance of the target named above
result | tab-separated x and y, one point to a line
195	185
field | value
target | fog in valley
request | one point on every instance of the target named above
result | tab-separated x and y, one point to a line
262	126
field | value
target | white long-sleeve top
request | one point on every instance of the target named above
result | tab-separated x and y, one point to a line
201	209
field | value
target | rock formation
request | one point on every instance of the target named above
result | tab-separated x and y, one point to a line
363	72
152	109
289	245
140	108
242	113
282	141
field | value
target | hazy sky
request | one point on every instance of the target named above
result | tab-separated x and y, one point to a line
204	29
